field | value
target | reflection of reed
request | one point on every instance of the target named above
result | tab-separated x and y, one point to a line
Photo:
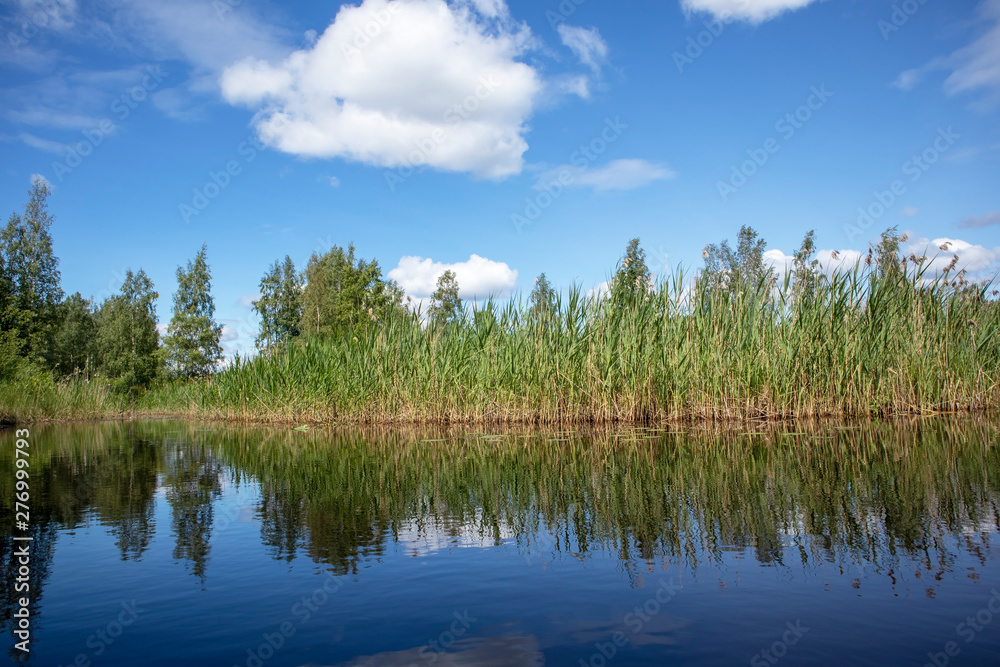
868	496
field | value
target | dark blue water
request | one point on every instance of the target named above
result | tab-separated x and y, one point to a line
167	543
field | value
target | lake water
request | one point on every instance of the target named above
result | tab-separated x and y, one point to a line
172	543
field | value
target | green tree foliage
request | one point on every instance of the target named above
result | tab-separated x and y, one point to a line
279	305
735	270
192	343
446	305
632	279
887	261
750	257
127	339
543	299
344	292
31	278
805	268
73	341
10	342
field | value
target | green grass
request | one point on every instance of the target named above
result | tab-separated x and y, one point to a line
865	345
33	396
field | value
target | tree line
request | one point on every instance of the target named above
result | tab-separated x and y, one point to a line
338	294
117	340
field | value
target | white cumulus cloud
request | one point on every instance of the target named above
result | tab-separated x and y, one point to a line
478	277
978	261
395	83
753	11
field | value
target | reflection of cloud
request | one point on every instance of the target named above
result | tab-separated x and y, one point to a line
488	652
424	537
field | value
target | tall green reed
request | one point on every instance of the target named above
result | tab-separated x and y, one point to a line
864	342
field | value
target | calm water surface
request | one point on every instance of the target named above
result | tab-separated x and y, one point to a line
171	543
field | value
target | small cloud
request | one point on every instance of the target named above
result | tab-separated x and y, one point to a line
908	79
979	261
778	260
41	117
491	8
600	290
42	144
830	261
60	15
573	85
616	175
752	11
39	177
964	154
985	220
478	277
334	182
246	301
973	67
586	44
229	334
178	104
237	337
910	212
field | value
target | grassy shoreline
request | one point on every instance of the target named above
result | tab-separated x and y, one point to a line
864	344
691	420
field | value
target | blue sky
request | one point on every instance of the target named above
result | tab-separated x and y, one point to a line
498	139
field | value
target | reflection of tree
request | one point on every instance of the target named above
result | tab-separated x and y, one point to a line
873	494
193	482
282	516
123	495
76	472
41	549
